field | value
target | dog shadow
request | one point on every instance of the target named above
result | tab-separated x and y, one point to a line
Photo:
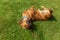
52	19
33	28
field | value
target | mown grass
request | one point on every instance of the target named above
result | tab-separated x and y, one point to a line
11	11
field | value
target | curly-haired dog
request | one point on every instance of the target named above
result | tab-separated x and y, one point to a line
44	14
26	18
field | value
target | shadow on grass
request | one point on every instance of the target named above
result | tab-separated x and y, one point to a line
52	19
33	28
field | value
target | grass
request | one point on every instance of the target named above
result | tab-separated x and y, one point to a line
11	11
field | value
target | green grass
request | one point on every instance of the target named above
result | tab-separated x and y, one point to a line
11	11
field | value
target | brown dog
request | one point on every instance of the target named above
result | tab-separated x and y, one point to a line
44	14
32	14
26	18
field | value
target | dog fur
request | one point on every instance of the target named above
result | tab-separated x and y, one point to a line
32	14
44	14
26	22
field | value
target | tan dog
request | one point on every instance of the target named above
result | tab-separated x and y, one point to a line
32	14
26	18
44	14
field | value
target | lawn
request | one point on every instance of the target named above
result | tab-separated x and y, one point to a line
11	11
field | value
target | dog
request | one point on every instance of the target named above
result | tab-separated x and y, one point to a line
26	18
31	14
44	14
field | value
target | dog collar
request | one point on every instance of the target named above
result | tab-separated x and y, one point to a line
24	17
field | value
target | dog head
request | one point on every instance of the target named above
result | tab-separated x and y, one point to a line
26	18
24	23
